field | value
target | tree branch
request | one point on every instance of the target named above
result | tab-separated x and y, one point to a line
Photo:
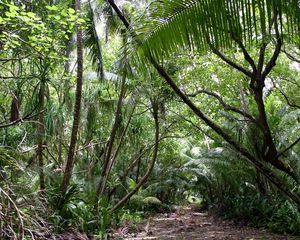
287	99
119	13
288	148
196	126
124	200
225	105
276	53
26	117
290	56
284	95
245	52
229	61
19	77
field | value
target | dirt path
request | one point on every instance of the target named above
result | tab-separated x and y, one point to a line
186	223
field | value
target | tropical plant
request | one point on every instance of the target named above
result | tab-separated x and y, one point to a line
215	31
183	101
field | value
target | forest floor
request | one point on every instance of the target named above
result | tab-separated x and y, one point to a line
188	223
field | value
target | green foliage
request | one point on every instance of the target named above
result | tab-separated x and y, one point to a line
70	210
193	24
40	32
285	219
267	212
104	215
194	164
152	203
93	43
11	160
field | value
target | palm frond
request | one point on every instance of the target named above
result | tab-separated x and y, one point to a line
93	42
113	24
172	24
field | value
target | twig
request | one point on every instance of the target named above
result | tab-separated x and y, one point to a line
276	53
288	148
21	226
226	106
290	56
26	117
285	96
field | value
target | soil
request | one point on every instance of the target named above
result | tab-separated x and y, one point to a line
188	223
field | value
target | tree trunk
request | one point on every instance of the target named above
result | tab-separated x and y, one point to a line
138	170
107	156
269	151
261	167
15	108
41	133
266	171
76	116
144	179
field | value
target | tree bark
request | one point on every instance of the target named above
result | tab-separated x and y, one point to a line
76	116
125	199
107	156
15	108
41	133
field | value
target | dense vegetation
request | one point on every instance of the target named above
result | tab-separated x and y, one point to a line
113	109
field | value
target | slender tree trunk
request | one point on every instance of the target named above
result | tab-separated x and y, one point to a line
107	156
121	140
64	99
76	117
60	152
41	133
137	175
144	179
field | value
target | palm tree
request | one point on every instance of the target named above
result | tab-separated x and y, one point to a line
219	25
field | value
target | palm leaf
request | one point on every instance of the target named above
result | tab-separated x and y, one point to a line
93	42
172	24
113	24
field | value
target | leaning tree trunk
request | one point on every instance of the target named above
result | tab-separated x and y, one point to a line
107	156
261	167
144	179
76	116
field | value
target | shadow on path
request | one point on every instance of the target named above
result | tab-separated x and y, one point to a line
186	223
